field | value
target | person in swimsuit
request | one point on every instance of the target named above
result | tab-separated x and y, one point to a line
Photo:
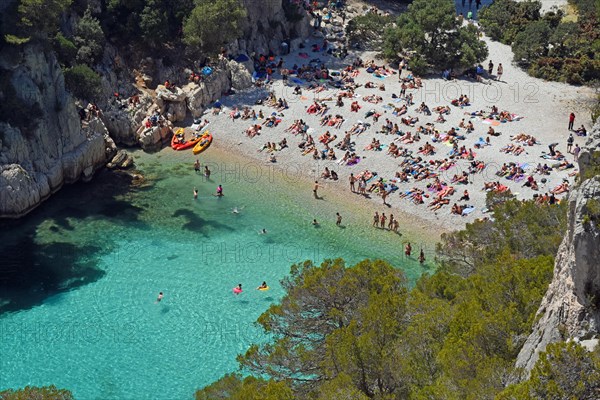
408	249
220	191
195	194
197	165
262	286
160	297
315	188
422	257
206	172
338	221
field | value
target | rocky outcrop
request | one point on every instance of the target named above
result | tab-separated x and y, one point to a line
571	307
48	147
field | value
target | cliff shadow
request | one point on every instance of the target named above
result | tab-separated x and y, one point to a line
31	273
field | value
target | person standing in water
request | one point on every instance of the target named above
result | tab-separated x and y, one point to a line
206	172
159	298
376	219
315	188
338	221
407	249
422	257
197	165
195	194
352	182
220	191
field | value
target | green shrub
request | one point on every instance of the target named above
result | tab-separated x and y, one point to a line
83	82
65	49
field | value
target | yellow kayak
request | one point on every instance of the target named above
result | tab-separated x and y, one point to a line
203	144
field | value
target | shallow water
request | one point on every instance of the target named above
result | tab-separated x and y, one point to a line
80	276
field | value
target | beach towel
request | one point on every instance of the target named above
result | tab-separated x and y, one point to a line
379	77
354	163
468	210
297	81
303	55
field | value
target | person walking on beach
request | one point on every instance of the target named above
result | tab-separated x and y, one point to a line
382	220
384	196
490	68
352	182
315	188
376	219
571	121
338	221
391	223
570	141
576	152
499	71
197	165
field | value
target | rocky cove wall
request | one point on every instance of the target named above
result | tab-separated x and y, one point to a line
52	147
570	308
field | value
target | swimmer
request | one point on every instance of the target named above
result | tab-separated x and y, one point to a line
195	194
159	298
262	232
262	286
315	223
237	290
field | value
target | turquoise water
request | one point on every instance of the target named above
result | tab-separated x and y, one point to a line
80	275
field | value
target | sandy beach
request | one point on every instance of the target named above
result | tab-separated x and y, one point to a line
538	108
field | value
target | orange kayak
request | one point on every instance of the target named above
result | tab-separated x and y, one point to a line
204	143
178	141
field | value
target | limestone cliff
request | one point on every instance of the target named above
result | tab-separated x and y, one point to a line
571	307
47	146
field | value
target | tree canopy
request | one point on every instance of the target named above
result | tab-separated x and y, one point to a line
36	393
212	24
434	38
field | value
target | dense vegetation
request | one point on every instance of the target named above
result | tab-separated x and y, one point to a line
550	46
433	38
359	332
196	27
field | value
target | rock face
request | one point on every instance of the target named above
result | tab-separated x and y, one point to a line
51	148
571	307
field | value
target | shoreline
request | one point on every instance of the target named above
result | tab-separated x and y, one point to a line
543	108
